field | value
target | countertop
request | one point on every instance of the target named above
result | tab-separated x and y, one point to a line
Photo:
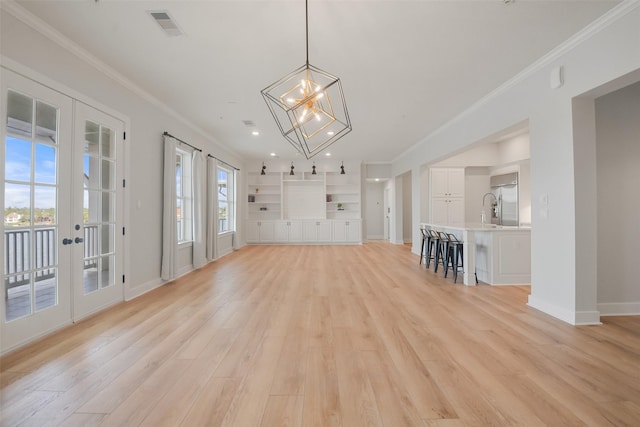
476	226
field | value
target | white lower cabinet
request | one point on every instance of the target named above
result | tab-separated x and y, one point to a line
316	231
348	230
260	231
447	211
288	231
304	231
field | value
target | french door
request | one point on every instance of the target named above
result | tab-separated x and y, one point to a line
61	253
97	211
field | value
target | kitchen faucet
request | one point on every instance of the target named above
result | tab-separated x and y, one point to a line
483	202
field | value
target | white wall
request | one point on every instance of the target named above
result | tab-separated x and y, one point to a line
524	189
40	55
374	210
617	118
476	185
605	51
378	170
407	224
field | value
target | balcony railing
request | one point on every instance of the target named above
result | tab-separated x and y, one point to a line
18	258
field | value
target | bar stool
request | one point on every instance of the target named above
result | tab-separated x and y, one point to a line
432	248
426	241
455	257
442	251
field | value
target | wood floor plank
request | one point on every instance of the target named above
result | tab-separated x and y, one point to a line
247	407
394	402
141	402
211	406
174	405
321	336
322	396
357	401
283	411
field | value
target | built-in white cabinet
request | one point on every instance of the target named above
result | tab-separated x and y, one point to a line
349	230
447	182
447	211
316	231
260	231
447	196
287	231
304	231
307	207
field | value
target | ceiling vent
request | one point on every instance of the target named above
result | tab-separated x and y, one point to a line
248	123
166	22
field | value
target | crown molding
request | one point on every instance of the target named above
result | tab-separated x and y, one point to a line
604	21
60	39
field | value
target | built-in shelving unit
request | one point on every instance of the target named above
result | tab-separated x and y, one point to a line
342	196
264	195
304	208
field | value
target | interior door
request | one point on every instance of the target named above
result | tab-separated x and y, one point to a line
35	166
97	211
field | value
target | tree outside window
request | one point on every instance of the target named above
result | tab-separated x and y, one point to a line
226	211
184	200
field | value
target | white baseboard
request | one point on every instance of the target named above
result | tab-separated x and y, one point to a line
134	292
619	308
583	318
568	316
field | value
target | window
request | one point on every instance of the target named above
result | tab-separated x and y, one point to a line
184	201
226	200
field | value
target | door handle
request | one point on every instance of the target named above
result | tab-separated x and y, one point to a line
79	239
67	241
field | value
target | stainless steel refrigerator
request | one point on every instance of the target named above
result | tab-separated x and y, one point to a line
505	208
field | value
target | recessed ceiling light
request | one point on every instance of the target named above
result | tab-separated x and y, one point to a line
328	154
330	133
377	179
272	154
255	133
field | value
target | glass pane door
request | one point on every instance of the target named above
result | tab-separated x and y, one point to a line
36	150
96	212
98	207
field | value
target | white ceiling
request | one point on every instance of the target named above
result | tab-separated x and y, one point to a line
407	67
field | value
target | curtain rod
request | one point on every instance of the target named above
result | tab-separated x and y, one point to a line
184	142
221	161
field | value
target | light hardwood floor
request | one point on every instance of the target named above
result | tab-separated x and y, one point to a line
326	336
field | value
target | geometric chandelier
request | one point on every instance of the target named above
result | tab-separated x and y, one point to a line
308	106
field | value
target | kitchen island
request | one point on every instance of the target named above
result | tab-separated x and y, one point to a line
498	255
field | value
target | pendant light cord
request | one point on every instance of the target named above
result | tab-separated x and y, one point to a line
306	15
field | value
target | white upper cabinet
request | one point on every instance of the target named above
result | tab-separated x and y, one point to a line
447	182
447	196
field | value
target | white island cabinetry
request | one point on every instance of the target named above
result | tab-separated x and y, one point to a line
497	255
